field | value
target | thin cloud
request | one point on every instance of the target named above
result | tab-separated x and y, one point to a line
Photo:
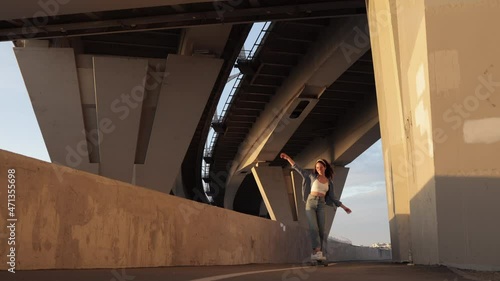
365	193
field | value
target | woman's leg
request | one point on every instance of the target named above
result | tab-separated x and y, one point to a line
312	219
320	214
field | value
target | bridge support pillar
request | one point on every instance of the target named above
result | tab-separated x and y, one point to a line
129	119
187	85
51	79
274	191
436	69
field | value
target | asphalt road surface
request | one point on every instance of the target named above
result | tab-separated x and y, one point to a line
344	271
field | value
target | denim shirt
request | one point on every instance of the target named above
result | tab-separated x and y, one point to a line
308	178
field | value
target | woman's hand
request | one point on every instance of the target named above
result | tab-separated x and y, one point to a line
287	158
346	209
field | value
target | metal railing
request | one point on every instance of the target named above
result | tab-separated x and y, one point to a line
257	44
209	147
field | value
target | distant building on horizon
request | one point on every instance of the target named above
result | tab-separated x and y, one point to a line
381	245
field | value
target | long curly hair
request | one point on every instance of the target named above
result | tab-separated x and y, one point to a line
328	168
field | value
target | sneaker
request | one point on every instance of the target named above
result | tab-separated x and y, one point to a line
322	257
318	256
314	257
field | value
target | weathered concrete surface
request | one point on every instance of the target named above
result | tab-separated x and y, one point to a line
71	219
437	91
338	271
344	252
113	116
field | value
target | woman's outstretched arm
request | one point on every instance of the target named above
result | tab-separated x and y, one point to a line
287	158
346	209
302	172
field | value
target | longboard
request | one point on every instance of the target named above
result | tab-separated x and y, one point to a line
319	263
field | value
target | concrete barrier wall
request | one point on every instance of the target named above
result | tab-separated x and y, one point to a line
344	252
70	219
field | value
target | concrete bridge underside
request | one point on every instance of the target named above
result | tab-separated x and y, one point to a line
134	102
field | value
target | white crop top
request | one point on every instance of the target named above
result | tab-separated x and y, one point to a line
319	187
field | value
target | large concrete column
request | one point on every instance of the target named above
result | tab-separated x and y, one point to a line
437	92
273	189
392	127
119	92
129	119
51	79
186	86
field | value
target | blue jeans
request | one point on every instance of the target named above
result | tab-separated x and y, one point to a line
315	213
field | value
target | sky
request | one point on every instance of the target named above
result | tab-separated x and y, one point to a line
364	191
19	130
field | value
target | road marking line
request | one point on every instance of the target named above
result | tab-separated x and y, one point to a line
220	277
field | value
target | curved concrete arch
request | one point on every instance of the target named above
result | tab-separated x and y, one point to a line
319	68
